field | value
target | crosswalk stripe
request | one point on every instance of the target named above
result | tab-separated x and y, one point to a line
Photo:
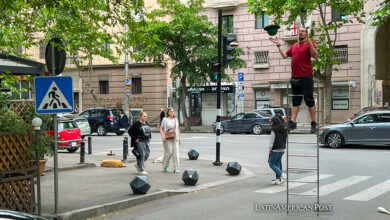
283	187
333	187
371	192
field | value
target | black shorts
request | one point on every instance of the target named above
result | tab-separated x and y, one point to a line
302	86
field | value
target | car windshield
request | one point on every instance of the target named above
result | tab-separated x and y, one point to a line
66	125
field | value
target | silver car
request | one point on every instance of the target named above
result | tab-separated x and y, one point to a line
371	128
81	123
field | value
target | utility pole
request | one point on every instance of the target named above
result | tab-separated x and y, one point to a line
128	78
218	128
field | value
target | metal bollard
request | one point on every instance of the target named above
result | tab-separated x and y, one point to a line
82	152
89	145
125	149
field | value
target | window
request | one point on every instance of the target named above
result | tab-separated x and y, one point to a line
227	23
103	87
250	115
341	53
263	98
337	16
42	50
136	85
384	118
106	45
368	119
22	84
340	98
261	20
238	117
261	59
138	47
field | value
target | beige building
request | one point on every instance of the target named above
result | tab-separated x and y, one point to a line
361	81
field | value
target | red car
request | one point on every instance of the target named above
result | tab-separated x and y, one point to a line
69	137
367	109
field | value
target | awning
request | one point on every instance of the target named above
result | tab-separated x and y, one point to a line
20	66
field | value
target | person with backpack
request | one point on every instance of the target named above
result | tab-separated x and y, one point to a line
277	146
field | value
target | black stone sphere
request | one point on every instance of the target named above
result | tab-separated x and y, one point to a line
233	168
140	184
193	154
190	177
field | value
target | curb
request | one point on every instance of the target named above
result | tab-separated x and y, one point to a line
77	166
95	211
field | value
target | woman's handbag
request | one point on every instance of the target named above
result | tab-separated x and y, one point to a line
170	134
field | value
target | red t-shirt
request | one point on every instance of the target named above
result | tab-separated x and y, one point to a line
301	59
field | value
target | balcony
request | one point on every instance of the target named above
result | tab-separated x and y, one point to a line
224	4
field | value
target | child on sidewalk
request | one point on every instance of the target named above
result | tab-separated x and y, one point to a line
277	146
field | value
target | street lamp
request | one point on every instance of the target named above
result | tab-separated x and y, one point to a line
37	123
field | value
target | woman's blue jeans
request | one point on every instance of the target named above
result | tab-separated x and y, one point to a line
275	162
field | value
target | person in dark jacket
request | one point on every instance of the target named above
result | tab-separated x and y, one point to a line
162	115
141	135
277	146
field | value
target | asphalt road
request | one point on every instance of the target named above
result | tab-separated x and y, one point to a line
354	181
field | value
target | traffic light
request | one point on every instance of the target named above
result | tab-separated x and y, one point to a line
215	69
227	49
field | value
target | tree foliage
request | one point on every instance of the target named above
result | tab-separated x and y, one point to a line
382	13
180	33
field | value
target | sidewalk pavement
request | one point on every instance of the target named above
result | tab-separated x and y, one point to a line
94	190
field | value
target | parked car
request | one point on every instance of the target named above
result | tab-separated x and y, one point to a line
81	123
367	109
69	137
249	122
371	128
273	111
106	119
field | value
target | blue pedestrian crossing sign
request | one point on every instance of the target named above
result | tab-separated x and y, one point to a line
240	77
53	94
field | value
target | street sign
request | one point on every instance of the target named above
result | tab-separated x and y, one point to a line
240	77
55	56
53	94
240	96
128	91
128	80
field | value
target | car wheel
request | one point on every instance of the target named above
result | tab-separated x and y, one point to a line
119	133
72	149
257	129
101	130
334	140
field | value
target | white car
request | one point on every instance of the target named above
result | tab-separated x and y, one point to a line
82	123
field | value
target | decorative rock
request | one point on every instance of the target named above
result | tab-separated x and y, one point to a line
193	154
233	168
190	177
140	184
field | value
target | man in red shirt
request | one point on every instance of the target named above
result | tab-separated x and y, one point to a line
301	75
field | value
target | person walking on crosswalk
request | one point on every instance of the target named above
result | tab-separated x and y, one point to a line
277	146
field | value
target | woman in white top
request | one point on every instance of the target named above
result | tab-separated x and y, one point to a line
171	145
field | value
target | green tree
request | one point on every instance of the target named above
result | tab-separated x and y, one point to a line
382	13
180	33
85	27
325	30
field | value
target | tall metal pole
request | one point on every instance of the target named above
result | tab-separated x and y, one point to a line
218	132
53	60
127	74
38	173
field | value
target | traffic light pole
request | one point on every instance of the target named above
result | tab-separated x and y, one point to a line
218	128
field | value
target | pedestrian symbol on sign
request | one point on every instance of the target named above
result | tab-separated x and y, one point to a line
54	99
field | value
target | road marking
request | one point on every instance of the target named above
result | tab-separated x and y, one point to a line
192	138
371	192
283	187
330	188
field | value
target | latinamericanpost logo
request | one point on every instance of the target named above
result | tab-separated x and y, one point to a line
278	207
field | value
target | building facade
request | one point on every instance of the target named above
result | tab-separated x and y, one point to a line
361	48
